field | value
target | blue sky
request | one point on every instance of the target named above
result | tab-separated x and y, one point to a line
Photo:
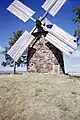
9	24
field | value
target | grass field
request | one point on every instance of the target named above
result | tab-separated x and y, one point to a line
39	97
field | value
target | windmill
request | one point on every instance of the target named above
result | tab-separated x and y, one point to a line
55	38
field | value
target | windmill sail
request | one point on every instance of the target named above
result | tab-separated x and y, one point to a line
21	45
61	40
20	10
53	6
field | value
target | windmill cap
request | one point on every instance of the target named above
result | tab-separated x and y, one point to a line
38	23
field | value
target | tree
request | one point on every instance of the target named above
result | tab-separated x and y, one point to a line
15	37
4	64
9	60
77	11
77	21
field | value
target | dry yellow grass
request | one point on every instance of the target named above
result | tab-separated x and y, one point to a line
39	97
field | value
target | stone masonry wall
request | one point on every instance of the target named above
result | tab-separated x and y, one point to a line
43	57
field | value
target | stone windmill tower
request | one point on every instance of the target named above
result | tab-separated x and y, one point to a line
45	46
43	57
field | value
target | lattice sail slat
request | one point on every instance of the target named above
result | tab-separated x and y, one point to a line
55	6
21	45
62	40
20	10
